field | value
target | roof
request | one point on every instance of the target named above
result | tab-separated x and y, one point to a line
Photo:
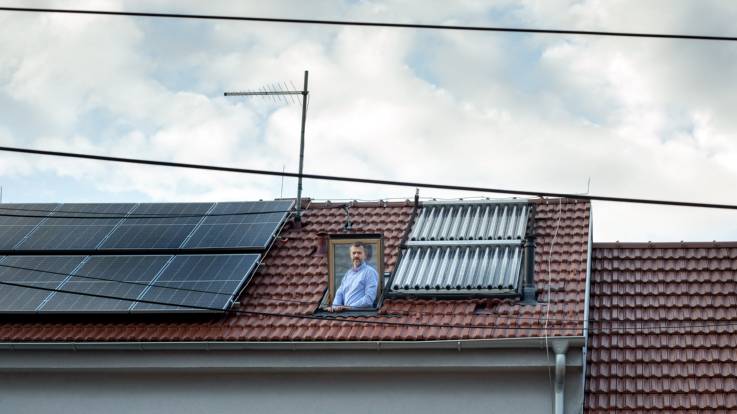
663	332
281	298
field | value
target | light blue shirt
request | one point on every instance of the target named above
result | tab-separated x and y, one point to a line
358	287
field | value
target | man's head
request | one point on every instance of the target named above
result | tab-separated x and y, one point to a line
358	254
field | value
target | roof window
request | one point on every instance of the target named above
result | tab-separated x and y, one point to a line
355	272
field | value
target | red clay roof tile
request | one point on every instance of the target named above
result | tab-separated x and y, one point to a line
656	342
279	303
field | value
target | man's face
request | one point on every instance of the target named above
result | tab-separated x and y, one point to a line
357	254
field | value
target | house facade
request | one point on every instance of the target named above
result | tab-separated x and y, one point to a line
444	345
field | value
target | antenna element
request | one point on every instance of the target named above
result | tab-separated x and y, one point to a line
275	92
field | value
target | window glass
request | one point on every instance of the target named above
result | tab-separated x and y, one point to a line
341	262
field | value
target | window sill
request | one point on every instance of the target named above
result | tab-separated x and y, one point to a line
348	312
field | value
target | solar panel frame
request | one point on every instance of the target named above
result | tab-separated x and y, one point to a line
139	269
230	225
224	229
157	233
53	271
210	281
186	271
76	227
181	283
14	228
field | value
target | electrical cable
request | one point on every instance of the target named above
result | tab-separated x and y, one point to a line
309	317
550	282
261	262
138	217
354	319
145	285
274	314
273	297
280	299
101	296
671	326
533	193
102	279
371	24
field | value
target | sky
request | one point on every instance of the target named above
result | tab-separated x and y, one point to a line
623	117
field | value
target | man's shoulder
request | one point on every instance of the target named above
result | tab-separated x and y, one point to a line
370	270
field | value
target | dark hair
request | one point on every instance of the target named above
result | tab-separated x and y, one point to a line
368	249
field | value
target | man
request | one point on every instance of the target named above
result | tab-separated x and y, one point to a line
358	287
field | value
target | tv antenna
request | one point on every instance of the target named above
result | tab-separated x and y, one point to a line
280	93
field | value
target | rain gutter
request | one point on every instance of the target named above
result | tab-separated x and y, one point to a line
463	355
459	345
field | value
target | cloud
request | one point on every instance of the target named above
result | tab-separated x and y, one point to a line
641	118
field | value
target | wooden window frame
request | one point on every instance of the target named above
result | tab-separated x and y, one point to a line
344	241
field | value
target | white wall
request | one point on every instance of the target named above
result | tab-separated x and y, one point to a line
215	382
336	392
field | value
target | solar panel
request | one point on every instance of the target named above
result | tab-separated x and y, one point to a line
464	247
459	269
157	226
480	220
226	228
39	271
126	277
209	281
246	225
190	281
76	227
99	279
14	227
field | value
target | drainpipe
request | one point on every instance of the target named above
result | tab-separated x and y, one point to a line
586	308
560	349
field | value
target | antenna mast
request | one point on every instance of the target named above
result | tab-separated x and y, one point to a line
298	217
275	92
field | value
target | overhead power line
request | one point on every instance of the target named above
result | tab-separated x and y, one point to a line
146	285
101	296
117	216
124	282
302	302
274	298
371	24
110	216
533	193
555	322
558	324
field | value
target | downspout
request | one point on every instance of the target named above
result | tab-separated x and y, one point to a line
560	349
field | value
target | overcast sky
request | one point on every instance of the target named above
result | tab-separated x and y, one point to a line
637	117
